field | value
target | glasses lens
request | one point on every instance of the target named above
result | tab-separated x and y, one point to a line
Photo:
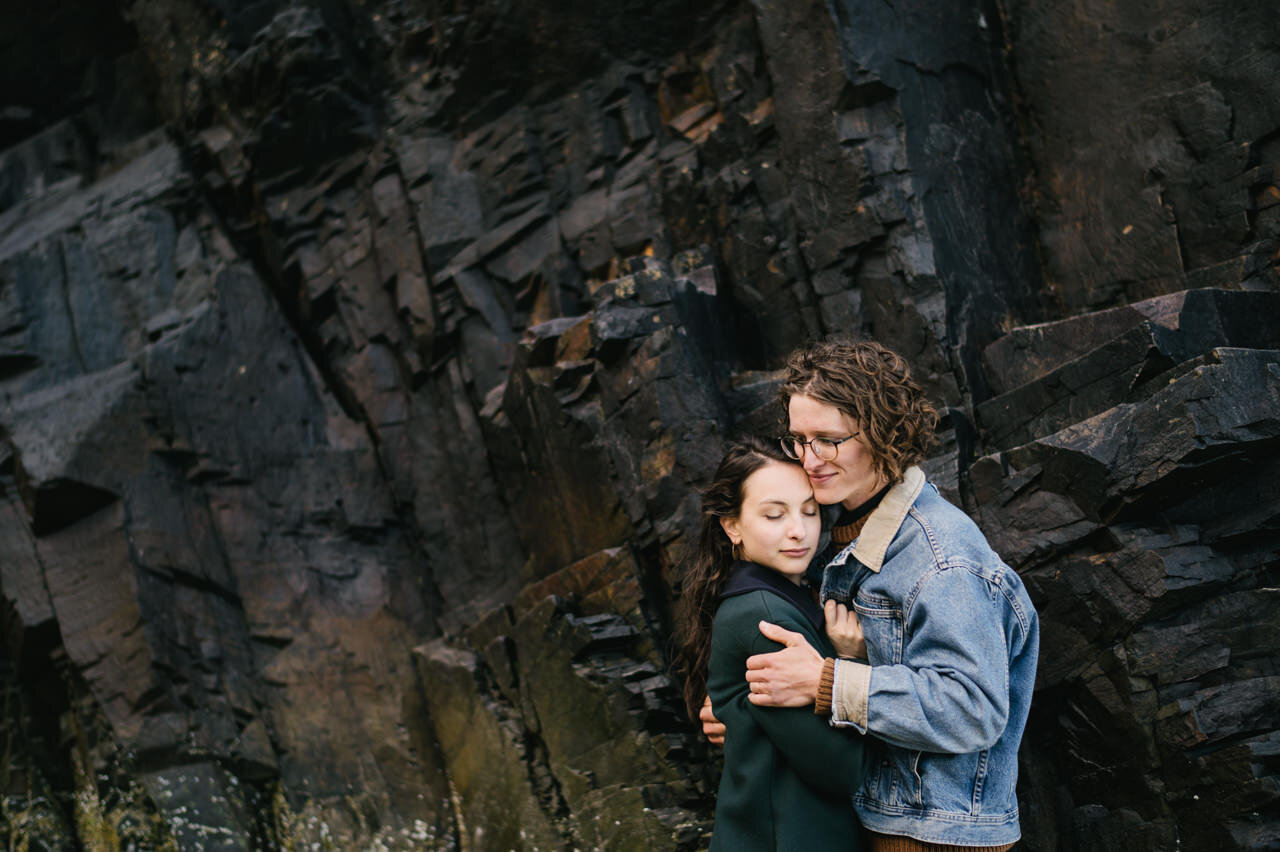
791	446
824	449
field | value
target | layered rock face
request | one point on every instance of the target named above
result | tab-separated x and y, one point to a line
361	363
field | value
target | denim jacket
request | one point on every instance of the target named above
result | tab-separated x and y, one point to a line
952	640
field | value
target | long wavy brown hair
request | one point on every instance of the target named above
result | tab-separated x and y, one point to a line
872	384
709	569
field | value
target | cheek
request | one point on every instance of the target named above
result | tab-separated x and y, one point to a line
754	533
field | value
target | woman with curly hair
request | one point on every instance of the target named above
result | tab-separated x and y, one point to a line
951	635
787	775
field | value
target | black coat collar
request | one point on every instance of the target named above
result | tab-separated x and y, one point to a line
751	577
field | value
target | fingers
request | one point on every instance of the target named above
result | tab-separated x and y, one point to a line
780	634
760	685
844	629
839	618
708	717
761	692
712	728
770	699
832	613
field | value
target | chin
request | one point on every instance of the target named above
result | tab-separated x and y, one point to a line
827	496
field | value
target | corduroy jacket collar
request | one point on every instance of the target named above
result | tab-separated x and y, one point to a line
886	519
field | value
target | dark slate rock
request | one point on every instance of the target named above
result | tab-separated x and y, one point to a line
394	367
607	631
1134	364
483	753
649	286
1109	375
211	812
1198	319
447	201
1162	202
621	323
1150	619
21	577
1226	401
961	149
1211	635
753	402
555	472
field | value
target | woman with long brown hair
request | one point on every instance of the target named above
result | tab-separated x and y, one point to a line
788	776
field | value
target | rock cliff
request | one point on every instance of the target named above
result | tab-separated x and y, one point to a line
360	364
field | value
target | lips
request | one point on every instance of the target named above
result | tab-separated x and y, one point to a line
798	553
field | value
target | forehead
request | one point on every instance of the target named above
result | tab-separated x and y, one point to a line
809	416
777	481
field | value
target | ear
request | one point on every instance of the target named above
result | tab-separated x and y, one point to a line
730	527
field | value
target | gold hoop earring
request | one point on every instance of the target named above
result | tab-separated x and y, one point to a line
737	551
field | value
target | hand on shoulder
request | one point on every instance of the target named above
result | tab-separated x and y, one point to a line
785	678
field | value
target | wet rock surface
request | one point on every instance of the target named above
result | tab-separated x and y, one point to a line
360	363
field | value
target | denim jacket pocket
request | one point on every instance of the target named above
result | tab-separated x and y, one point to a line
881	621
895	779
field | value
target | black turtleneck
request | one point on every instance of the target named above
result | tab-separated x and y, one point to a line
848	516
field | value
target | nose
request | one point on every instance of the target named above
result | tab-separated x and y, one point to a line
809	459
795	528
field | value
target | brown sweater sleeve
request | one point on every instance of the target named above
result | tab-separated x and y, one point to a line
822	704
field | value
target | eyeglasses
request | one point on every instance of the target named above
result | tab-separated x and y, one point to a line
824	448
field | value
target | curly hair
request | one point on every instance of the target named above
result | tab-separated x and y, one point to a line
872	384
709	568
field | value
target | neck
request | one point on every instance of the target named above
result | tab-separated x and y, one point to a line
855	500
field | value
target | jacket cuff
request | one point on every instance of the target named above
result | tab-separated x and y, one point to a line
851	685
822	704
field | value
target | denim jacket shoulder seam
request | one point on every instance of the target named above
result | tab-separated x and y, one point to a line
941	566
909	599
927	528
1002	591
1024	623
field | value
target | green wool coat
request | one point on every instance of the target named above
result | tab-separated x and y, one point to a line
789	777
